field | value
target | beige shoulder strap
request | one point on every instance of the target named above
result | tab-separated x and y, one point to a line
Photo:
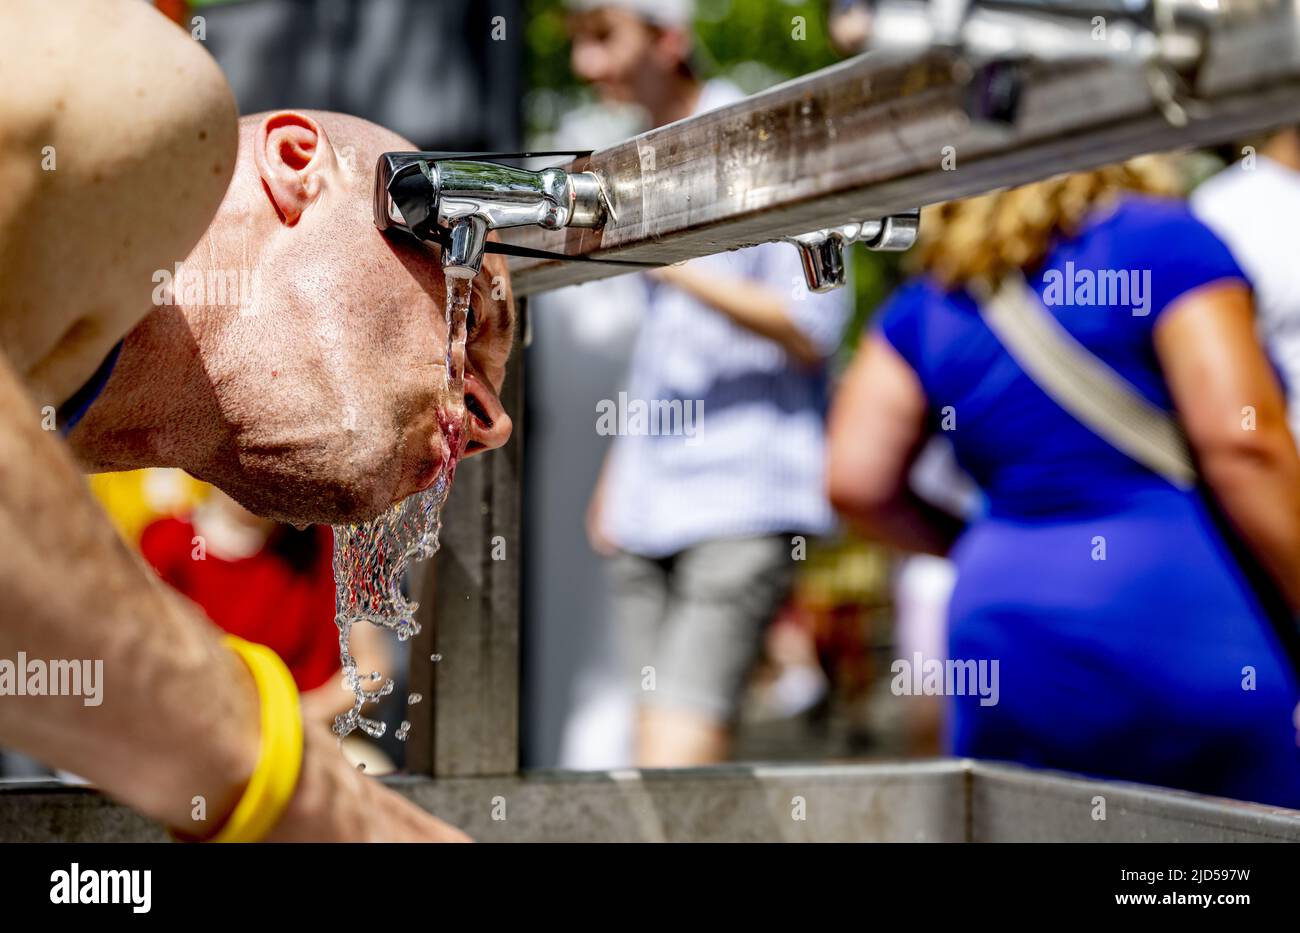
1100	398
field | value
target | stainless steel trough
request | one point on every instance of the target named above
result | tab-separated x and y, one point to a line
948	800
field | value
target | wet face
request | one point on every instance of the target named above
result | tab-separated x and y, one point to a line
333	382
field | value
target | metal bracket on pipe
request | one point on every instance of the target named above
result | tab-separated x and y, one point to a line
822	251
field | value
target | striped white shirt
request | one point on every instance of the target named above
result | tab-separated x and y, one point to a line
754	464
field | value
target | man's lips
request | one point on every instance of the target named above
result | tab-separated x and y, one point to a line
454	437
447	445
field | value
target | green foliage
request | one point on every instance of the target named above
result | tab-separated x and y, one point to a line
732	33
547	63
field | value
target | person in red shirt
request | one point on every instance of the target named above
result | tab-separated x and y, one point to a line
267	583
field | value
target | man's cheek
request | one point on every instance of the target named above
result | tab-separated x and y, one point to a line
491	359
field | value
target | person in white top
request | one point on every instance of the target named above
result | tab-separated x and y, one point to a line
703	522
1253	205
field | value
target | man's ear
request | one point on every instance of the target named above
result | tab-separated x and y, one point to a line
296	161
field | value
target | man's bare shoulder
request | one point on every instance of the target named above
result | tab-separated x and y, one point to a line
118	136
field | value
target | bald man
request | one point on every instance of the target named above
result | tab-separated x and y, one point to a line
295	362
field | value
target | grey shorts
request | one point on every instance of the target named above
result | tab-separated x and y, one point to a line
691	625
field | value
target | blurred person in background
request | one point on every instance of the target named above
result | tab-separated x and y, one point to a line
922	584
1132	641
699	528
1253	205
849	25
575	705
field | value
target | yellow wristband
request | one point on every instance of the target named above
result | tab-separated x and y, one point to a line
279	758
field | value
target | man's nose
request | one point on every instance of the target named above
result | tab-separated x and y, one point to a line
489	425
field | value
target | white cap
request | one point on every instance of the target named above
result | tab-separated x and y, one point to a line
665	13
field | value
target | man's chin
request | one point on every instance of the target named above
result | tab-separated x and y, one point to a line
336	500
367	500
349	487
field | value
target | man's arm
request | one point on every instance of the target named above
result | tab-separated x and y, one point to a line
117	140
145	147
177	717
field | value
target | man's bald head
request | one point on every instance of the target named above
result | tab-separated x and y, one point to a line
293	158
327	378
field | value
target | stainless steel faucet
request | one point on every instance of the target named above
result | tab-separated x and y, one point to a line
822	251
455	201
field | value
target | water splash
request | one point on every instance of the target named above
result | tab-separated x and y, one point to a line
371	558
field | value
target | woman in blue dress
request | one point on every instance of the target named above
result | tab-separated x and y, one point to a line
1132	641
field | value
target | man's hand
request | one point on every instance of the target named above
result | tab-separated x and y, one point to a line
176	722
335	802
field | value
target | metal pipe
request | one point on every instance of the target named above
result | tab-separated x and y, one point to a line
882	133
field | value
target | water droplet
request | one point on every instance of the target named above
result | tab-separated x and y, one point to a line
413	699
371	558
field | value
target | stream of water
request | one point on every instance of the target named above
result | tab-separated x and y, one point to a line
371	558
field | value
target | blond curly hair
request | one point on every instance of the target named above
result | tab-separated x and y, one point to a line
976	241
